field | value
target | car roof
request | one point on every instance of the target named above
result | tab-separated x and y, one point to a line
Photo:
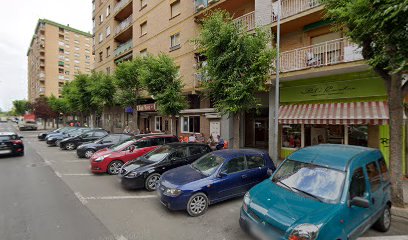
336	156
231	153
158	136
183	144
7	133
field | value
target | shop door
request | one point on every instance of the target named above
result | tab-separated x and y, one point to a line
261	133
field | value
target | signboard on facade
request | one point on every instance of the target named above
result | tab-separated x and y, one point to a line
372	87
146	107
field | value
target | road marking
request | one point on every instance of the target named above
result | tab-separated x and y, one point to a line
402	237
77	174
58	174
81	198
121	237
119	197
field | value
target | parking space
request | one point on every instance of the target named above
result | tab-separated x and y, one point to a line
139	214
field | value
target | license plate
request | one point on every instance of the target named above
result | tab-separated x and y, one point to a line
257	232
5	151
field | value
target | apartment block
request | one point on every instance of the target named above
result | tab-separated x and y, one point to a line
56	54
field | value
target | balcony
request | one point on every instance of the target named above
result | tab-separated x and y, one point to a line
293	7
247	21
41	90
123	31
323	54
41	76
123	9
123	48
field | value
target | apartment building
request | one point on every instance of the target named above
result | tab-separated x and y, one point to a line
328	94
56	54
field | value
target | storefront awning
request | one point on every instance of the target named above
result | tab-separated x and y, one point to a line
373	113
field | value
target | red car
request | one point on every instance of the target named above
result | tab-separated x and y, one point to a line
111	159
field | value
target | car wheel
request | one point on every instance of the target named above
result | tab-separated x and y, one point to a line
70	146
151	182
58	143
114	167
383	224
197	205
89	153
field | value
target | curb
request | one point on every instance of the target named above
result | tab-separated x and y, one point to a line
400	212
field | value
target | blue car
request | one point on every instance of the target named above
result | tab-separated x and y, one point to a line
213	178
321	192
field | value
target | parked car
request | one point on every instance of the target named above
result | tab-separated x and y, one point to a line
42	136
86	150
110	160
55	138
3	119
71	143
27	125
321	192
213	178
145	171
11	143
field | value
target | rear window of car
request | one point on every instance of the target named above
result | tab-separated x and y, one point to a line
8	137
384	170
195	150
171	139
373	176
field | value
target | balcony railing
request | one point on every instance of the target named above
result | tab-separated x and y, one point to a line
247	20
124	24
41	76
41	90
123	48
293	7
318	55
120	5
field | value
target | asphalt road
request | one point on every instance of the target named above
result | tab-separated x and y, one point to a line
51	194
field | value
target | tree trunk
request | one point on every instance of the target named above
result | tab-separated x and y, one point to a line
237	129
173	125
45	123
53	123
396	109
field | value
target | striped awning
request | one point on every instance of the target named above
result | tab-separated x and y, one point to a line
373	113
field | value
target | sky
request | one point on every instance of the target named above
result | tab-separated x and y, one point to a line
17	24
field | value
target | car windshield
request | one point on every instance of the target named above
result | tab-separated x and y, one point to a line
207	164
120	146
321	183
158	154
7	137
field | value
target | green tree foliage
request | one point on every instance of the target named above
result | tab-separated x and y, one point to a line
238	65
78	96
101	88
20	107
380	27
127	80
58	105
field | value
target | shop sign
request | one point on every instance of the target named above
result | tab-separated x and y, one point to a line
334	90
146	107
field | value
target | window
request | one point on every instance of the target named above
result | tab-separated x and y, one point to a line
61	43
76	61
373	176
100	56
108	70
384	170
171	139
143	144
60	70
291	136
179	153
143	53
93	24
61	30
100	37
66	72
108	11
108	52
108	31
158	123
76	48
99	134
255	162
143	4
358	184
175	9
87	57
101	19
76	55
111	139
195	150
76	41
358	135
60	63
175	41
234	165
61	50
190	124
157	141
143	28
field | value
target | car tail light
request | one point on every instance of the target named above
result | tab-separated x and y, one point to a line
15	142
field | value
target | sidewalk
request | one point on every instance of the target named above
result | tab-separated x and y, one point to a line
402	212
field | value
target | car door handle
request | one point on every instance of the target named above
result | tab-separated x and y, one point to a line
244	176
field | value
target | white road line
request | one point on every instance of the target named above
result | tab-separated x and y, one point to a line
402	237
81	198
58	174
77	174
119	197
121	237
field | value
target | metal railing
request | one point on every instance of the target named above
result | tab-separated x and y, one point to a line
322	54
247	20
123	48
120	5
41	76
124	24
293	7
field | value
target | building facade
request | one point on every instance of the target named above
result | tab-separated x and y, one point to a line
56	54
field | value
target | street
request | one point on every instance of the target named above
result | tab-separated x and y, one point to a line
51	194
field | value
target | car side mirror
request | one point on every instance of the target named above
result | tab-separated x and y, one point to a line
21	137
269	172
360	202
173	159
222	174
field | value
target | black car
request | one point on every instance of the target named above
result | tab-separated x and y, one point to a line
86	150
54	139
72	143
42	136
11	143
145	171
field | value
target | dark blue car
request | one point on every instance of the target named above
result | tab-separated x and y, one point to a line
213	178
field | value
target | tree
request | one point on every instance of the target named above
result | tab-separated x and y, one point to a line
20	107
59	106
380	27
42	109
238	65
127	80
161	77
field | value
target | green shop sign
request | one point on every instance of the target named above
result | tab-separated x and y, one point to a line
324	90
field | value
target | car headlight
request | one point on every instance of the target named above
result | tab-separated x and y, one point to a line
172	192
304	232
133	174
101	158
247	200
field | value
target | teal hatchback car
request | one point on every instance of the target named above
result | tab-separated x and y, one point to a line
321	192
